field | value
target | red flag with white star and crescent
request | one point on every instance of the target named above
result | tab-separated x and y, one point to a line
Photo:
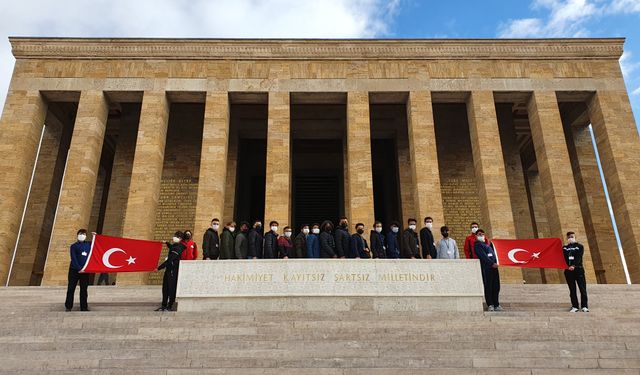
535	253
113	254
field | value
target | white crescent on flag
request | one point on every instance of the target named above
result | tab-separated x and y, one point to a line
107	255
512	255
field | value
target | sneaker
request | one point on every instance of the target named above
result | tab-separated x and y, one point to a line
161	308
585	309
499	308
574	310
491	308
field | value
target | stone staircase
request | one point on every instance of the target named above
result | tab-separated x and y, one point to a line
122	335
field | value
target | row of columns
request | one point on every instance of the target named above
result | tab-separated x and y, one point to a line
613	123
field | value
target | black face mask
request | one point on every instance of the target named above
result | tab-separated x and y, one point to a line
258	227
445	234
344	225
187	236
360	231
327	229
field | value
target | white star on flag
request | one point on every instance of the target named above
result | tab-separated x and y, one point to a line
536	255
131	260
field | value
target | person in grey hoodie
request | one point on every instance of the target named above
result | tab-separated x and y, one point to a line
447	247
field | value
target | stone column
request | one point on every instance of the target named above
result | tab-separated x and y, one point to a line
491	177
213	161
278	172
360	187
230	187
619	148
427	196
78	184
22	119
559	190
406	180
146	175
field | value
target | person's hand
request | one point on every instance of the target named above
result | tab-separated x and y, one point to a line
413	257
343	257
207	258
93	233
495	265
335	256
429	257
572	268
285	257
357	257
254	258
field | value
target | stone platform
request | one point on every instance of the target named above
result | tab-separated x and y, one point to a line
330	284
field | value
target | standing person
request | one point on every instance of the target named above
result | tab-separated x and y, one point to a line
300	243
191	251
271	241
490	274
342	238
573	253
79	253
228	241
103	278
211	241
447	247
171	266
256	239
393	244
242	242
470	242
358	247
327	241
285	245
377	240
427	241
410	245
313	242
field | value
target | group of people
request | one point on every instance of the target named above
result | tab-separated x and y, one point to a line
325	241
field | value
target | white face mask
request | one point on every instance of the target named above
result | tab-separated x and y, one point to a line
287	234
378	229
274	228
572	240
429	225
395	229
305	231
232	229
176	239
82	237
215	226
480	238
316	230
474	230
412	227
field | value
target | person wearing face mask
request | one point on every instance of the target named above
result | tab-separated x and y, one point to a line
300	243
470	242
574	274
256	239
285	244
358	247
191	251
447	247
79	253
228	241
378	244
271	241
241	243
410	245
427	241
393	245
327	241
313	242
171	266
489	267
342	238
211	241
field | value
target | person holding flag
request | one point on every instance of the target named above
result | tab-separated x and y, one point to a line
470	242
171	265
573	252
490	275
79	252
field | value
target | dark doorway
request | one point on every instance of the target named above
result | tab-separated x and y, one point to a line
250	179
386	195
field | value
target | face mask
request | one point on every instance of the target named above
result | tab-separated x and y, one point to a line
412	227
429	225
258	226
394	229
480	238
572	240
474	230
287	234
187	236
360	231
445	234
327	228
215	226
378	229
274	228
343	224
316	230
305	231
232	229
82	237
176	239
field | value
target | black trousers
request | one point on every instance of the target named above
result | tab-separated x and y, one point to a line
491	281
74	278
169	286
577	277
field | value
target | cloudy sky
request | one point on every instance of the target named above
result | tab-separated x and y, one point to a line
326	19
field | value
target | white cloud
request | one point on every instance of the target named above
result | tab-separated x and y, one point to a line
627	65
625	6
190	18
636	91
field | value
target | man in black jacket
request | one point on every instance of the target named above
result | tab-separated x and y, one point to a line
170	278
327	242
573	253
427	241
211	241
378	243
410	245
342	238
271	241
256	239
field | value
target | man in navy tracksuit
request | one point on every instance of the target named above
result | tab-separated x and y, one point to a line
79	252
393	245
573	252
490	274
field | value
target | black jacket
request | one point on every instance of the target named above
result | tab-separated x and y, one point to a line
378	247
410	246
211	244
270	245
342	240
173	258
299	246
241	245
573	253
327	245
427	242
255	243
393	245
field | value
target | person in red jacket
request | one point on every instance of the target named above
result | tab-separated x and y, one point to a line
285	245
191	248
470	242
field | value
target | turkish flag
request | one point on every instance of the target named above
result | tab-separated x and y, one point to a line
536	253
113	254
